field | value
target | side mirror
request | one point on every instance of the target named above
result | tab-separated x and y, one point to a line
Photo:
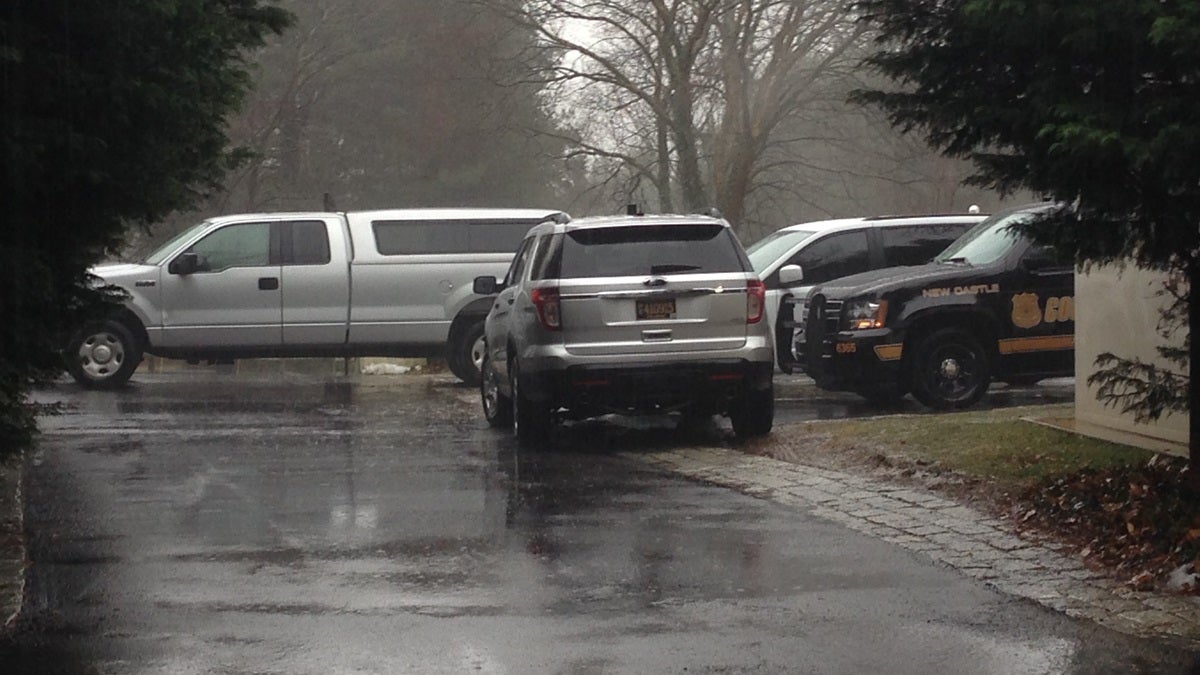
485	286
184	264
790	275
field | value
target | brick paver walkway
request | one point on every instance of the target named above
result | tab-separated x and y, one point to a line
977	545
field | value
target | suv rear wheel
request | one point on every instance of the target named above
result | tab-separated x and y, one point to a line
497	407
950	369
530	419
754	414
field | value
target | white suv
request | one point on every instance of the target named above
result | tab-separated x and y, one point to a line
792	260
627	315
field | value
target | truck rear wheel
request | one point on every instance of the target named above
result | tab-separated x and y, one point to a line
950	369
103	355
465	355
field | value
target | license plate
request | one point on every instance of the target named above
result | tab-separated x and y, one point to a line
656	309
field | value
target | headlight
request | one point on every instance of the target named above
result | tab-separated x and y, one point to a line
864	314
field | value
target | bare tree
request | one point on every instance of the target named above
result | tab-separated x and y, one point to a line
690	96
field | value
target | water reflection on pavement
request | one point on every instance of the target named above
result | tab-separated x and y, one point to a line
334	526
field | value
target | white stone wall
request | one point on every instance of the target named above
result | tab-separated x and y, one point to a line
1118	311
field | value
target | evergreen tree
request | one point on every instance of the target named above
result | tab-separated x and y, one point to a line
111	115
1093	103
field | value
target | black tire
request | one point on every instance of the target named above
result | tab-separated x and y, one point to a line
530	419
950	369
754	415
465	351
497	407
103	355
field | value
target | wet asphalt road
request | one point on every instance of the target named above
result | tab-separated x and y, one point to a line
309	526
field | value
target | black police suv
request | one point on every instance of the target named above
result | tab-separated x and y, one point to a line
992	306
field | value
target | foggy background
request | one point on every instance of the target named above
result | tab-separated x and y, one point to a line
583	107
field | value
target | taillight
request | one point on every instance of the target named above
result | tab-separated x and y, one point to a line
548	306
756	300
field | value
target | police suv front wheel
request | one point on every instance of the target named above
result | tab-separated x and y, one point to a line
950	369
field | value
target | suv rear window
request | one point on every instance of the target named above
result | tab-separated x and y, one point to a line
698	248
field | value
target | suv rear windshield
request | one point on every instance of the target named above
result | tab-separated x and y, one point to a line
697	248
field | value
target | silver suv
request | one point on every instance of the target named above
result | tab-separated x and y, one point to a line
627	315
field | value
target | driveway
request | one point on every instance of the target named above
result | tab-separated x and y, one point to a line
313	525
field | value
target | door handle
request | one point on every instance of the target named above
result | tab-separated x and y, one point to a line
268	283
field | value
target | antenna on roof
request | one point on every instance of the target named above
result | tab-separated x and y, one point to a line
327	201
633	210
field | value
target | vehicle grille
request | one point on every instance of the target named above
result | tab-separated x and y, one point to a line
820	329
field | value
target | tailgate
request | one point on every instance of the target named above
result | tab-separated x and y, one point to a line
664	314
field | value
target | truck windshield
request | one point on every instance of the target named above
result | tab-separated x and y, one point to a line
987	242
773	246
168	248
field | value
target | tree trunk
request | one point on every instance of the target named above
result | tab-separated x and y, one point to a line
666	201
1193	377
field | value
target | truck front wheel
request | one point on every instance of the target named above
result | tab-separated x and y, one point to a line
103	355
950	369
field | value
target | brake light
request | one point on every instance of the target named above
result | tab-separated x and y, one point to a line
548	305
756	300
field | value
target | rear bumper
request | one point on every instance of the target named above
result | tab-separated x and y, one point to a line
704	386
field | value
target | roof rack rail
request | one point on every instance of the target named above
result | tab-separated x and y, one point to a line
892	216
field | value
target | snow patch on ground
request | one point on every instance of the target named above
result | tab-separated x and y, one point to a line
385	369
1183	578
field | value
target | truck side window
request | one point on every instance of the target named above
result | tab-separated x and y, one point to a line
916	245
420	237
244	245
496	236
305	243
837	255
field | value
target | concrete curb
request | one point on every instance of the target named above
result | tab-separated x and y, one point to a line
954	535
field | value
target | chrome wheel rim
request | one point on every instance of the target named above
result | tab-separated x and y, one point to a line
477	352
101	355
491	393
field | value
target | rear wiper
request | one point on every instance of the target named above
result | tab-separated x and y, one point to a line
665	269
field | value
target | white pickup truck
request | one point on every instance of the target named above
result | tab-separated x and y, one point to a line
366	283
